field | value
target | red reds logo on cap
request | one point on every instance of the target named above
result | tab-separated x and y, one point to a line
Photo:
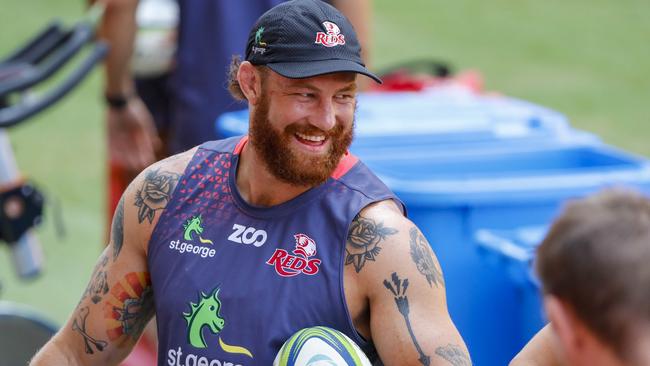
331	28
333	36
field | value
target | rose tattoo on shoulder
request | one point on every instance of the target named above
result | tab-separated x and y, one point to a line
155	193
363	241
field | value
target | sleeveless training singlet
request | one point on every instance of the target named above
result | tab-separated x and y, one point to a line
233	281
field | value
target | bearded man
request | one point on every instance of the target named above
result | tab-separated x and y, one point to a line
298	231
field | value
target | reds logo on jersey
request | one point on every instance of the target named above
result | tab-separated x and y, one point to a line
332	38
287	265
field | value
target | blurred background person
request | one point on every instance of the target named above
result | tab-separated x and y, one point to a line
594	270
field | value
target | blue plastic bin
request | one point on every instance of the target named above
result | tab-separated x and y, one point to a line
453	196
514	251
464	163
442	121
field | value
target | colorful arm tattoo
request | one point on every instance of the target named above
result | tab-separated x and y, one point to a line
129	307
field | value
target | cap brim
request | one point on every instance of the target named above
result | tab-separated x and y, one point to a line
301	70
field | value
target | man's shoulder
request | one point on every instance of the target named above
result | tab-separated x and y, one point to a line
152	188
373	231
174	164
148	195
387	210
179	162
358	177
382	241
233	144
386	218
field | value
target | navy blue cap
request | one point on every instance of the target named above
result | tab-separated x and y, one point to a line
305	38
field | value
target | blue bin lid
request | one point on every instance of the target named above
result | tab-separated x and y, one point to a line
515	248
405	118
436	113
509	175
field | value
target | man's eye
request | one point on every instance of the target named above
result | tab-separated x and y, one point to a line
344	96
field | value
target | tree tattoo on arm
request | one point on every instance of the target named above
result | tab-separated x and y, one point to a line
155	193
398	288
363	241
117	228
423	258
79	325
129	307
454	354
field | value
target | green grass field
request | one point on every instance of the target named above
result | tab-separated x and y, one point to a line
587	59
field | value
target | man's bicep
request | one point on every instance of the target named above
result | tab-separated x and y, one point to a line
119	298
408	330
117	302
410	324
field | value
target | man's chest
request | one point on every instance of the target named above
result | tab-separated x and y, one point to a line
263	281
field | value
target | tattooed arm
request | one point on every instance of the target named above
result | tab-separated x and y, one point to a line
118	301
396	292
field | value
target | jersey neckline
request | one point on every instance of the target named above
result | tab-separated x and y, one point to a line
281	209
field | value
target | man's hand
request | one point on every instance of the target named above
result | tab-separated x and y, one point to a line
132	137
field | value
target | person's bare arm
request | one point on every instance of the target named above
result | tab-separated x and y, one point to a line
541	350
359	12
132	138
118	301
405	289
118	28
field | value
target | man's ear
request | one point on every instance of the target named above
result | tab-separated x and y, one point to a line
565	324
250	82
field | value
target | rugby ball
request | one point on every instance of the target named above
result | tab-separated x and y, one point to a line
320	346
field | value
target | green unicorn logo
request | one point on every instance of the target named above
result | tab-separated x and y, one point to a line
205	313
258	37
194	225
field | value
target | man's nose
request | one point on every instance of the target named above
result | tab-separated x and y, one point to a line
325	116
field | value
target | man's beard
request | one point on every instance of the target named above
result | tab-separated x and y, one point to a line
273	147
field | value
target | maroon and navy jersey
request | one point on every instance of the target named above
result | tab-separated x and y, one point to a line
233	281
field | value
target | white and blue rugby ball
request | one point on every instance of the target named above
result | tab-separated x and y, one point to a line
320	346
